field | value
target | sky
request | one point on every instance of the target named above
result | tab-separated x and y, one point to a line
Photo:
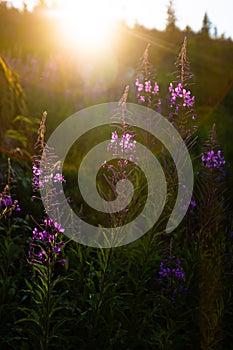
152	13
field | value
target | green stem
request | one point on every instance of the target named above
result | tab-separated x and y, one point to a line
102	283
47	310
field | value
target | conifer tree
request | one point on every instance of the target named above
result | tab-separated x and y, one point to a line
206	26
171	17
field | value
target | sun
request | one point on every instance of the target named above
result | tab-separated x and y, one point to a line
88	24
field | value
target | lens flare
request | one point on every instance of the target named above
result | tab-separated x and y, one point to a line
89	25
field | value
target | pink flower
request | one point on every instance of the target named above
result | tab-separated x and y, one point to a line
139	85
156	89
142	99
148	86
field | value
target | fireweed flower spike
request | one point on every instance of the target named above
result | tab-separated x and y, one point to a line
181	102
46	248
7	204
39	179
213	161
172	278
175	272
122	145
145	92
47	243
146	84
211	210
47	172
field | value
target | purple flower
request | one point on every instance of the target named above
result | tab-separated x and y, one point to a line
188	100
180	93
114	136
58	227
171	277
36	170
58	178
145	91
35	233
212	160
17	208
156	89
142	99
170	87
57	249
139	85
47	243
193	203
40	254
147	86
7	201
7	205
48	222
167	271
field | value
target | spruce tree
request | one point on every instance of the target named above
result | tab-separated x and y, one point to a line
206	26
171	17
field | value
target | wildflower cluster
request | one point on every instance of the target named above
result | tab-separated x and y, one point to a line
7	204
172	277
122	146
47	243
146	91
179	92
171	272
212	160
40	179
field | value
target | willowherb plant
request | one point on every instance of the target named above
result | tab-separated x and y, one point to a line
211	211
146	83
123	147
46	174
46	251
181	102
46	167
172	277
7	204
213	161
14	232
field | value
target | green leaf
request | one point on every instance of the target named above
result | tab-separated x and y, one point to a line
18	136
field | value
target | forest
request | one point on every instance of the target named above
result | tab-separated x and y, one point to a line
166	289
